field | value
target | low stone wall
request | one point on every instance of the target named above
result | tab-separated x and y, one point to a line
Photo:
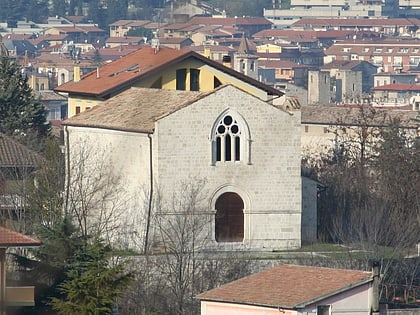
412	311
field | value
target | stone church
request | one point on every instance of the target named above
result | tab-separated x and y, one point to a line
245	149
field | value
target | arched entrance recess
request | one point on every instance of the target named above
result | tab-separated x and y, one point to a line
229	221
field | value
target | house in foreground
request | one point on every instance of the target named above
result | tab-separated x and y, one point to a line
293	290
17	170
14	296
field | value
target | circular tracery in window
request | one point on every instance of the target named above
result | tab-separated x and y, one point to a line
228	125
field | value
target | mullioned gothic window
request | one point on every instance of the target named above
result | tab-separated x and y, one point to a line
230	139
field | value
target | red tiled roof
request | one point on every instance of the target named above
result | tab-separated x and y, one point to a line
398	87
287	286
10	238
122	73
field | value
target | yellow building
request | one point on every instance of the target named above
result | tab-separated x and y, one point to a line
161	68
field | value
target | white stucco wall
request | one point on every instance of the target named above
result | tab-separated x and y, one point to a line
127	154
356	301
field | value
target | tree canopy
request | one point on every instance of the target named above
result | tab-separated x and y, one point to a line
21	114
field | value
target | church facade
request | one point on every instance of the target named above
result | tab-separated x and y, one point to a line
246	150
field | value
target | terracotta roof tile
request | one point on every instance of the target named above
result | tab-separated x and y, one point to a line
10	238
122	73
398	87
287	286
136	109
122	70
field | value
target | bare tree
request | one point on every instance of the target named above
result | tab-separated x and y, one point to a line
95	195
372	193
177	265
181	222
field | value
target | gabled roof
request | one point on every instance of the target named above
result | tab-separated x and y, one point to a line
135	110
121	74
287	286
10	238
14	154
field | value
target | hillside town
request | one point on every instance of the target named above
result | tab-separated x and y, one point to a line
193	161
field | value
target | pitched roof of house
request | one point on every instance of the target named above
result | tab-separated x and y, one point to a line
135	110
14	154
287	286
10	238
123	73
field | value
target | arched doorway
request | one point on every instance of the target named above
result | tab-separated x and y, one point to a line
229	221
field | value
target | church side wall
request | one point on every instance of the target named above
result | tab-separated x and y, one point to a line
126	154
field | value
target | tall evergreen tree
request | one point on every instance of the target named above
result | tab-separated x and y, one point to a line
93	282
20	112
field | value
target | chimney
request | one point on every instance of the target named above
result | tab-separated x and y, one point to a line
76	73
376	267
207	51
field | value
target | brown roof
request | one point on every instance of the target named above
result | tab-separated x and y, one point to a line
287	286
122	73
342	64
342	115
129	23
9	238
136	109
14	154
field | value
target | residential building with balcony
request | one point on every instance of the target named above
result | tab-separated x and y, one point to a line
389	55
